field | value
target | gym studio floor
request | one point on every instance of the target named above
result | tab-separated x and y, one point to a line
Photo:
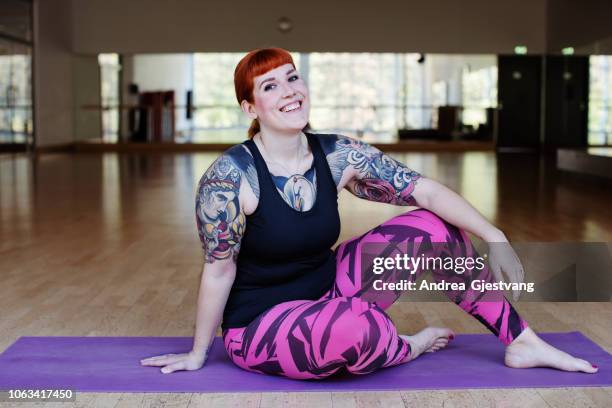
106	245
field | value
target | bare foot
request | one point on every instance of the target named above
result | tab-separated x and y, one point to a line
428	340
528	350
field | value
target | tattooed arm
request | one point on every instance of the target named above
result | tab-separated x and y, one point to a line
219	213
220	201
370	174
223	192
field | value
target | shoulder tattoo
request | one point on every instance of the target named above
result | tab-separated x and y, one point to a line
219	217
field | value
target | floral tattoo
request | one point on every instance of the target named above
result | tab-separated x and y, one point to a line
380	178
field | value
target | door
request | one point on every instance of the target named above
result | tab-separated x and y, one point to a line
519	89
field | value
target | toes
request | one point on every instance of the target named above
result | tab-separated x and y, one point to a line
445	333
587	367
430	339
449	334
440	343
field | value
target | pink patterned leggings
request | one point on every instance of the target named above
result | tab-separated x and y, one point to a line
341	331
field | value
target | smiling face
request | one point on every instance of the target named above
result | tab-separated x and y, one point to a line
281	100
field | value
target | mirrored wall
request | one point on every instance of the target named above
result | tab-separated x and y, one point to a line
377	97
16	122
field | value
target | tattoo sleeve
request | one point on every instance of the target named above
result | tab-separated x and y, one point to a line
219	217
378	177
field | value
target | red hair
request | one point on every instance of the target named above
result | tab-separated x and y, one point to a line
255	63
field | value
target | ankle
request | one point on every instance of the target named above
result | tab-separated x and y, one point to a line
527	336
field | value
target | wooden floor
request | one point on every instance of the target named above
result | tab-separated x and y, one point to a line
106	245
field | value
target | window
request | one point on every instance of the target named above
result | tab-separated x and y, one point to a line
218	117
15	93
109	78
479	93
16	71
365	95
600	102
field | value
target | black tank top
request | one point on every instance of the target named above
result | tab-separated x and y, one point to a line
285	254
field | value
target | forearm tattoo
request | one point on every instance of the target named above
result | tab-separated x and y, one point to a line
380	177
219	217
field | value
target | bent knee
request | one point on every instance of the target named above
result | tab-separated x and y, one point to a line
427	221
425	216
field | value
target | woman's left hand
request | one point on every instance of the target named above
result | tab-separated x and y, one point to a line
503	258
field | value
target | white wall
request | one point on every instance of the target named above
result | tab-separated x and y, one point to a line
53	74
86	89
165	72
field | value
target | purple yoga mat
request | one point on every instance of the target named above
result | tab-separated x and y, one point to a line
111	364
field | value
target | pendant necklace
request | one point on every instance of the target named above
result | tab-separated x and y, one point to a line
293	174
298	190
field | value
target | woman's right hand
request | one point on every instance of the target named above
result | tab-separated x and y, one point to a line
503	258
176	362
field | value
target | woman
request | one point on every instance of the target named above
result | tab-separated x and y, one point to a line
267	217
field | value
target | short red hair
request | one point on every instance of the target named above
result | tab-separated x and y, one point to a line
255	63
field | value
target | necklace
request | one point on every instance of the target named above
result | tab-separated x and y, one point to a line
293	174
297	191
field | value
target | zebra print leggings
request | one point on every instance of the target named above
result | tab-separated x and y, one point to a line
341	331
